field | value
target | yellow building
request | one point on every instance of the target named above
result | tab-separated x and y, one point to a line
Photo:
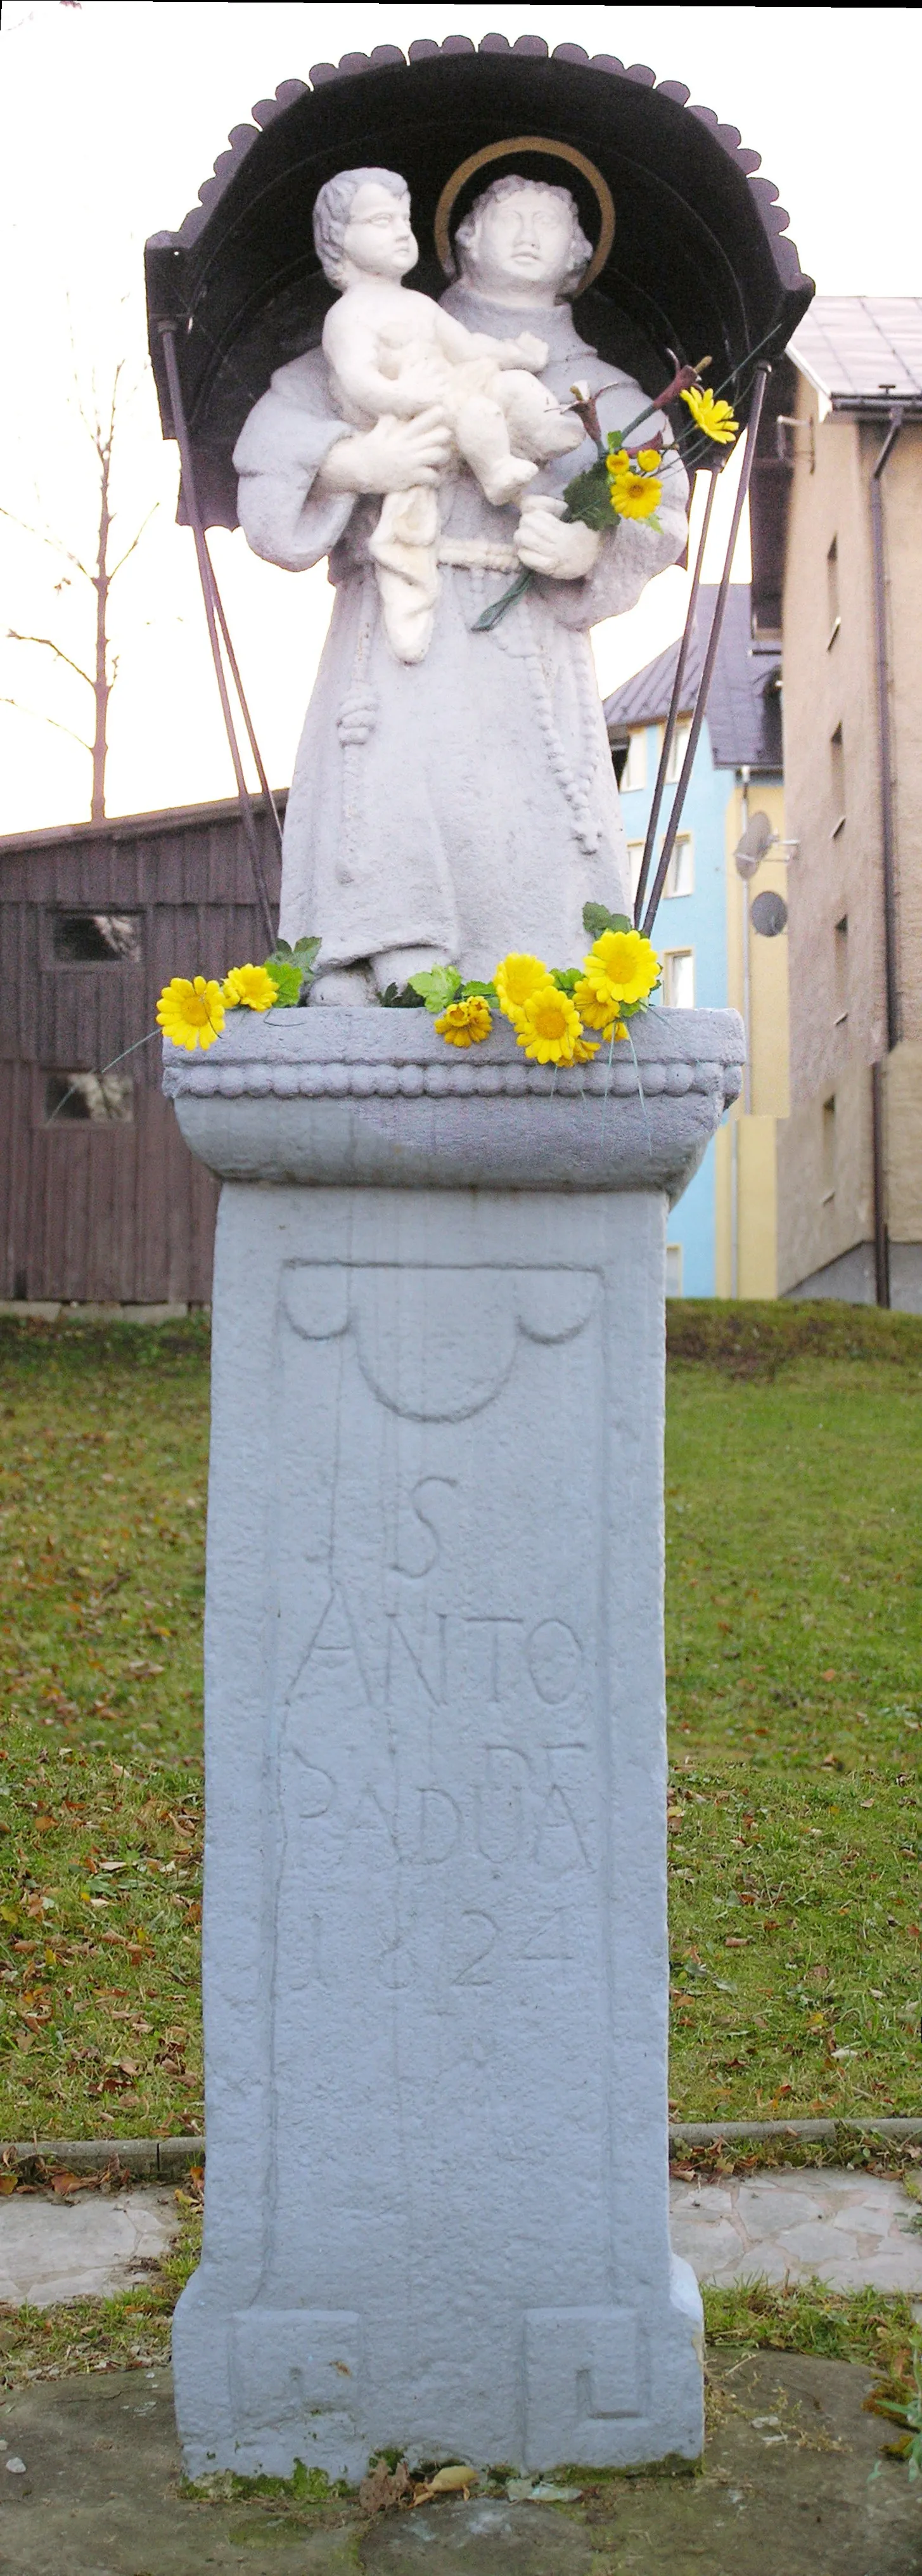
836	510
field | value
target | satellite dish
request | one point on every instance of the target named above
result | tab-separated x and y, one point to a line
756	842
769	914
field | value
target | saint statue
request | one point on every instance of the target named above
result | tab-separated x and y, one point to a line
459	803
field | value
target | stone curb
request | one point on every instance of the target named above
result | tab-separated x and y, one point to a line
731	2133
146	2159
165	2159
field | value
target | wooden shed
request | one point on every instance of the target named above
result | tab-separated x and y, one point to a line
102	1202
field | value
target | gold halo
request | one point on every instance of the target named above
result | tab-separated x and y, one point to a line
500	152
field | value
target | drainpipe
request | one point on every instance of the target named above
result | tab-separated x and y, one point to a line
888	858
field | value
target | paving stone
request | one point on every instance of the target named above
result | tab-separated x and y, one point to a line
86	2248
852	2230
786	2490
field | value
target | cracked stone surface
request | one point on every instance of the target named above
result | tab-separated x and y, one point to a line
86	2248
786	2490
853	2230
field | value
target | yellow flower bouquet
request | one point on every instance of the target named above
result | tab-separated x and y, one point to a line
551	1007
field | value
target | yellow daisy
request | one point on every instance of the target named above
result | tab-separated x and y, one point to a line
517	977
251	985
622	966
634	493
713	417
191	1014
465	1023
549	1028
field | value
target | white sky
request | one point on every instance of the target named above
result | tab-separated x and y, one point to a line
111	115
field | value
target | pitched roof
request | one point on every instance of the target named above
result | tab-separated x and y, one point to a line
856	348
744	717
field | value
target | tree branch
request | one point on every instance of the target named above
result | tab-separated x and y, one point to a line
43	719
14	637
45	540
129	550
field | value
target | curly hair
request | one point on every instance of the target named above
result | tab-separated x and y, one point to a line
333	208
580	248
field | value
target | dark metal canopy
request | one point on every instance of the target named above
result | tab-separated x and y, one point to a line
700	260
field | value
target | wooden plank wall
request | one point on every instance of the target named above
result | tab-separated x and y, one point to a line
122	1212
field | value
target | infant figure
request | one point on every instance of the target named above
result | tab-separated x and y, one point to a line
395	354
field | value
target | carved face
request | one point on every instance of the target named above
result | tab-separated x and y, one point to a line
378	240
524	239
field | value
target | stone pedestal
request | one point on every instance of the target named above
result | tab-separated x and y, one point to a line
436	1974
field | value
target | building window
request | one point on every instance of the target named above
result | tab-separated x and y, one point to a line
837	780
100	1099
680	874
635	851
677	750
673	1270
841	969
829	1149
634	772
832	591
96	938
679	979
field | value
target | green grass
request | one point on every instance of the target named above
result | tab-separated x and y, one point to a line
102	1515
794	1644
128	2332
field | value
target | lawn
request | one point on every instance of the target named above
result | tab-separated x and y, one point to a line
794	1615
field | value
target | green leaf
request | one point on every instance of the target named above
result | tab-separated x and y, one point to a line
566	978
436	986
588	498
398	997
479	993
307	950
287	978
596	920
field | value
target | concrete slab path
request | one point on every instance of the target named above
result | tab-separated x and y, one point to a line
854	2230
93	2488
85	2248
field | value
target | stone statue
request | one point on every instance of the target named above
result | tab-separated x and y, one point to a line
393	353
463	803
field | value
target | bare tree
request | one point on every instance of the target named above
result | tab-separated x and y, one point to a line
99	421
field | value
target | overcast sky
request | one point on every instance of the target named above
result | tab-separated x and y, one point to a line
112	115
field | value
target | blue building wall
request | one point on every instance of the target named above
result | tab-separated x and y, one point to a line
697	921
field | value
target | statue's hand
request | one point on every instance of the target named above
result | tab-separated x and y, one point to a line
530	352
563	549
391	457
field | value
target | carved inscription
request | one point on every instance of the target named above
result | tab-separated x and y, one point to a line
440	1793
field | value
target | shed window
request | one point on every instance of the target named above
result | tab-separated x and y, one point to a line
96	938
103	1099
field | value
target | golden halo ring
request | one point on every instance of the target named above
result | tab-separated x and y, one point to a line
500	152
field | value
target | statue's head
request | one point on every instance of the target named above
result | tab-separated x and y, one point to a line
523	234
362	224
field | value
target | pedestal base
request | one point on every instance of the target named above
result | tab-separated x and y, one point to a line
436	1972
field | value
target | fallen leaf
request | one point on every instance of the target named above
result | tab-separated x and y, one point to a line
456	2479
384	2487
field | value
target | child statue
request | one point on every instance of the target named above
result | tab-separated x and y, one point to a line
393	354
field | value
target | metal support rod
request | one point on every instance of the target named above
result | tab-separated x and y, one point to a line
675	707
168	336
758	396
888	836
881	1238
244	709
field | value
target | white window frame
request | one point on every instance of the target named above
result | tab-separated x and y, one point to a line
673	959
682	863
634	773
635	851
674	1286
677	750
